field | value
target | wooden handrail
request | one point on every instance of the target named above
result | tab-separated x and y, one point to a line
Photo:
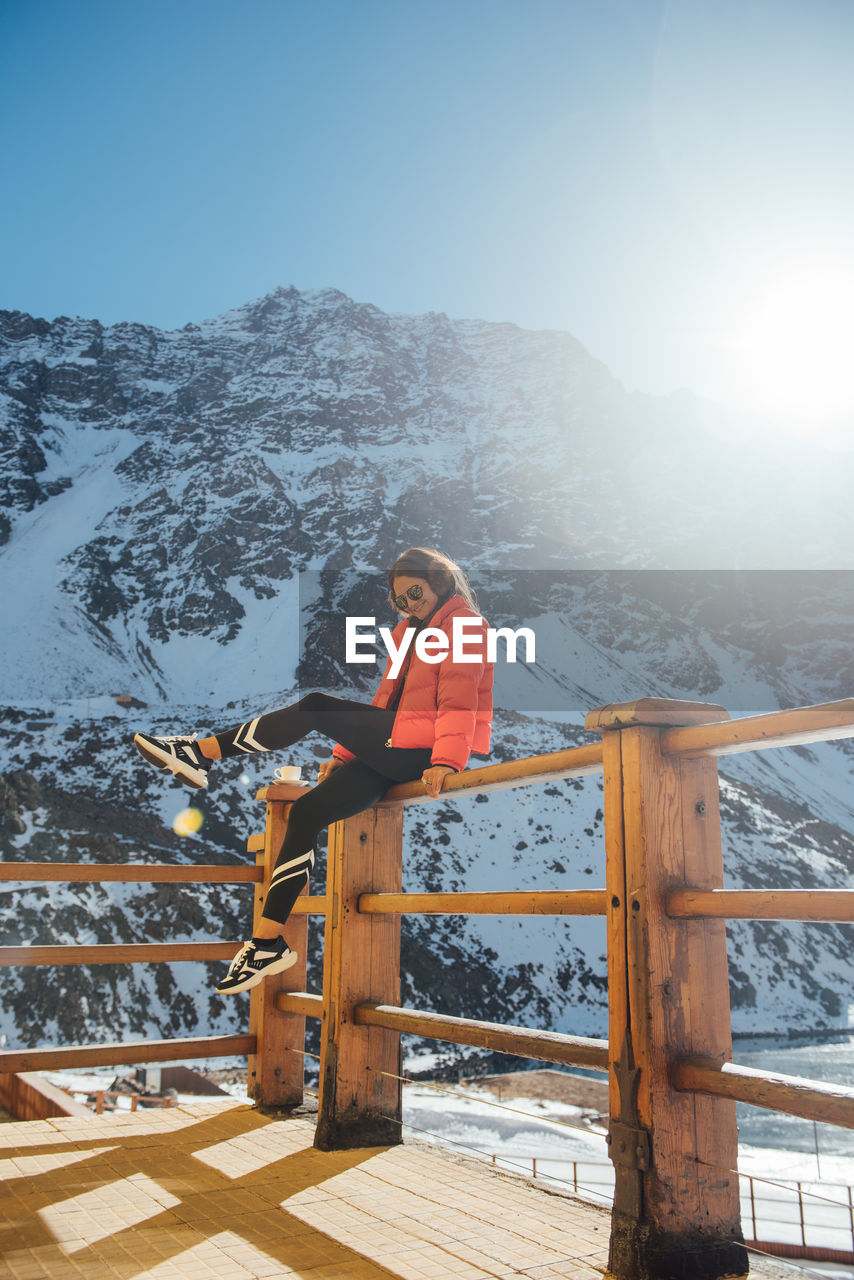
830	1103
545	1046
305	1003
128	872
825	723
574	762
131	953
822	905
310	905
540	902
109	1055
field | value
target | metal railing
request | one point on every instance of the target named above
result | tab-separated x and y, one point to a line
788	1218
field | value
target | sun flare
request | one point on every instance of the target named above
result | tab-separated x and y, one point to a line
188	822
796	352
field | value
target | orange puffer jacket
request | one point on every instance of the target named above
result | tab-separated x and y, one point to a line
445	705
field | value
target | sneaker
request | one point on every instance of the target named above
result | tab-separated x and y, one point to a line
253	962
180	756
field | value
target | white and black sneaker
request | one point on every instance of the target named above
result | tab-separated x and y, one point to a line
180	755
253	962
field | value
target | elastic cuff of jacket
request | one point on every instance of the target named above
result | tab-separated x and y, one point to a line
446	764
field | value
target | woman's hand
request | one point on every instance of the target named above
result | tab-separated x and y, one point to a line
434	778
328	766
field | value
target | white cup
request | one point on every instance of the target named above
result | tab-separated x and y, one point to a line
288	773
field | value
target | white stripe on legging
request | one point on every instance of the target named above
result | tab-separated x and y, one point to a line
246	734
305	860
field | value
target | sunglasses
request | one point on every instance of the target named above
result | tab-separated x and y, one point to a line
402	602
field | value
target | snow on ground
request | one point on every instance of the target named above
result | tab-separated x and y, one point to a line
518	1131
513	1132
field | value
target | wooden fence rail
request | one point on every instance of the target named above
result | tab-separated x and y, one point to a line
818	905
544	1046
128	872
114	1055
824	723
579	902
118	953
810	1099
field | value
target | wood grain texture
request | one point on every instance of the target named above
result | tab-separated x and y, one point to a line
276	1070
137	873
579	902
653	711
574	762
619	1023
824	723
119	953
359	1092
100	1055
817	905
668	987
678	979
546	1046
813	1100
309	1004
26	1095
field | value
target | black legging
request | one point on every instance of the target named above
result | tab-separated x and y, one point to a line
354	786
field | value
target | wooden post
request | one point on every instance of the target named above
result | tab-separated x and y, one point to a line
276	1069
676	1208
359	1087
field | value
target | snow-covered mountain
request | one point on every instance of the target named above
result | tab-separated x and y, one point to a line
189	515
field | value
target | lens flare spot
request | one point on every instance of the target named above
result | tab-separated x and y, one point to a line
245	779
188	822
794	351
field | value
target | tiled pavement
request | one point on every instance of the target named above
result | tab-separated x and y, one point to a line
217	1190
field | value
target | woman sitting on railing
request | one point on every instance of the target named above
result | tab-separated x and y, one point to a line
423	724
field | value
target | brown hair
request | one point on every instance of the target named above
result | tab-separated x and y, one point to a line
445	577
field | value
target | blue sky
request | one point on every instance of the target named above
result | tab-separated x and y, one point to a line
648	175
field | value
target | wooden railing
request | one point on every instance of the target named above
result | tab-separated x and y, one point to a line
673	1137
